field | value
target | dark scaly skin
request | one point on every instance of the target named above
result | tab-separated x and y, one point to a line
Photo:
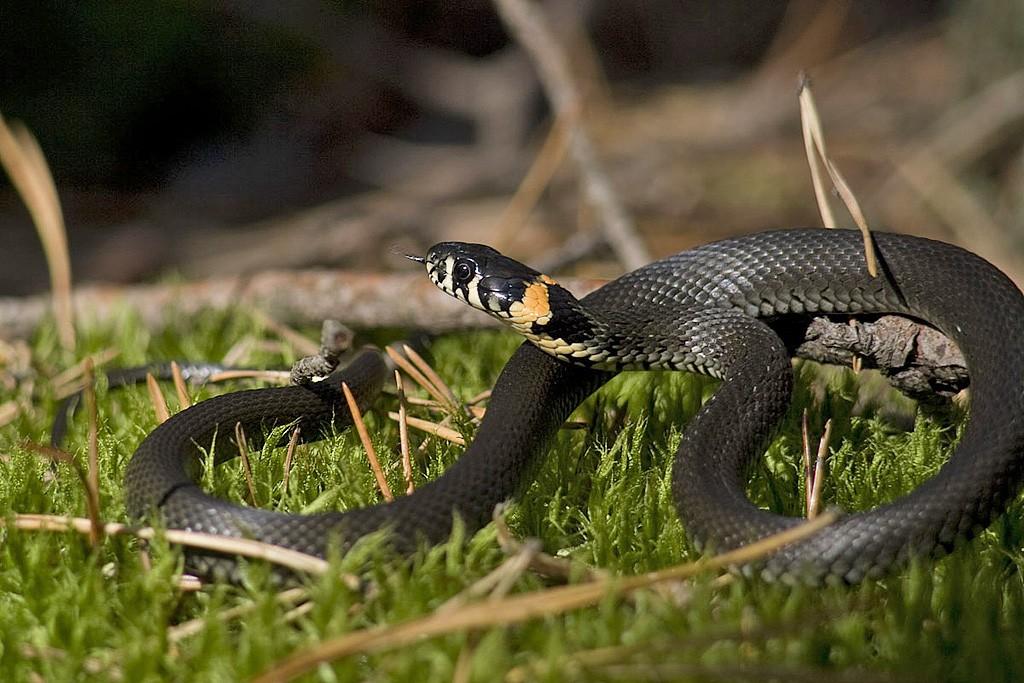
157	477
725	300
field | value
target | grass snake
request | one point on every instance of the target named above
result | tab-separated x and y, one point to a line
717	309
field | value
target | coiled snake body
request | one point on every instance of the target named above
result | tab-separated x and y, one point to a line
713	310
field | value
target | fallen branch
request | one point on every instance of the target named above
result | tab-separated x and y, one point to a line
916	359
410	301
309	297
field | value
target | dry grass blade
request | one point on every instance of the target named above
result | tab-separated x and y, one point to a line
278	376
193	626
420	378
417	376
293	444
828	219
26	166
475	412
296	612
857	364
520	608
978	126
438	430
364	436
157	399
813	133
536	180
298	341
403	434
482	396
284	557
425	402
189	584
243	453
814	500
239	350
184	400
69	381
541	562
434	378
498	581
464	664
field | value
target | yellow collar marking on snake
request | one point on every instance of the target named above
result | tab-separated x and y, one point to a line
533	312
534	308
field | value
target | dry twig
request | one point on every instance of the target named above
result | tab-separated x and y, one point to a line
525	21
536	180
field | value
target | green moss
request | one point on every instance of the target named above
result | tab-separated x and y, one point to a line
601	497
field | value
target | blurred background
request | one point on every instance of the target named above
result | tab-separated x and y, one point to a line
205	137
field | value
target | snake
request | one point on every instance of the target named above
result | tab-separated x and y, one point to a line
722	310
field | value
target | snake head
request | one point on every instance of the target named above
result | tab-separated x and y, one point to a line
532	303
493	283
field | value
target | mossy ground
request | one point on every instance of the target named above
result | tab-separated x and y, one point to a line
601	498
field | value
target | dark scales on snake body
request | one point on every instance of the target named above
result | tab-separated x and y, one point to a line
716	310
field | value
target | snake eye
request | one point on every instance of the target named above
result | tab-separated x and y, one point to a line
463	272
